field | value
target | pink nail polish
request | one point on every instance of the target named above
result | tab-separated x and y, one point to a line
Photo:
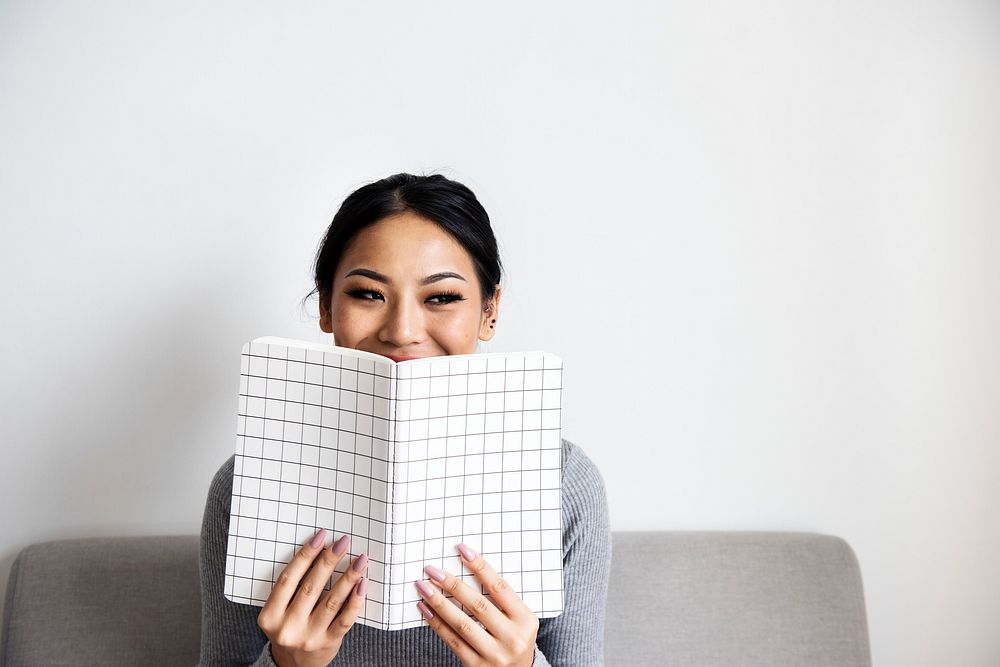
362	587
435	574
361	563
425	611
467	553
425	589
317	541
341	545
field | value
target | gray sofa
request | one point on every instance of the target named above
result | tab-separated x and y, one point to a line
675	598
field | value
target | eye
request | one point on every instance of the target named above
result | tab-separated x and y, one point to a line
445	298
366	294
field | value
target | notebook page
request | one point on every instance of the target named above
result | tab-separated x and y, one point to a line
312	452
478	460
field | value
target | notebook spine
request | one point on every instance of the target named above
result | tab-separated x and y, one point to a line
390	526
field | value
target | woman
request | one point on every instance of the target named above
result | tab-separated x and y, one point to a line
409	268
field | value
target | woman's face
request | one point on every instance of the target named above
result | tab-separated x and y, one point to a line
405	288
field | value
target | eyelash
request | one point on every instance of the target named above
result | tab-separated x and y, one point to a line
450	297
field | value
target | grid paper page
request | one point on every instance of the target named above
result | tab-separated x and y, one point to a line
312	452
454	449
478	460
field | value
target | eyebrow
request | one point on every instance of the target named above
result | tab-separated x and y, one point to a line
375	275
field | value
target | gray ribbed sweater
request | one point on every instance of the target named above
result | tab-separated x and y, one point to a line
230	636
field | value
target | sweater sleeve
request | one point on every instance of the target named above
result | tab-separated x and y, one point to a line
229	632
576	637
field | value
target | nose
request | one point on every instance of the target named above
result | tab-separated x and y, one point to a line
402	326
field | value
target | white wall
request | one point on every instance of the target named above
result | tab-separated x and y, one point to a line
763	236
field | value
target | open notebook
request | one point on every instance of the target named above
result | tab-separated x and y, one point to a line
409	458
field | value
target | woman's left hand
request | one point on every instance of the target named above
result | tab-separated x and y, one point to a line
507	637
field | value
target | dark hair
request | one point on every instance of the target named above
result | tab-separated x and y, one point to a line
447	203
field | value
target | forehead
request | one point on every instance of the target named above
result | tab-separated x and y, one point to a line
406	245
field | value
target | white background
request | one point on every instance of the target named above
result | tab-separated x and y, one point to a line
764	237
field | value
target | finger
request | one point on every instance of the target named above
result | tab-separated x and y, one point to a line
452	639
495	621
333	600
288	580
317	578
352	608
460	622
495	585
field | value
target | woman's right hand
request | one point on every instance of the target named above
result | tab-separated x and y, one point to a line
305	625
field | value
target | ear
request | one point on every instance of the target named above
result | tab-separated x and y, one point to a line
325	316
488	321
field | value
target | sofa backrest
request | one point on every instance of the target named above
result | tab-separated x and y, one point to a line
702	599
104	601
719	599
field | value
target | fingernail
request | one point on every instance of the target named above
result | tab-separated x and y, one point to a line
361	563
362	587
317	541
425	611
467	553
341	545
435	574
425	589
